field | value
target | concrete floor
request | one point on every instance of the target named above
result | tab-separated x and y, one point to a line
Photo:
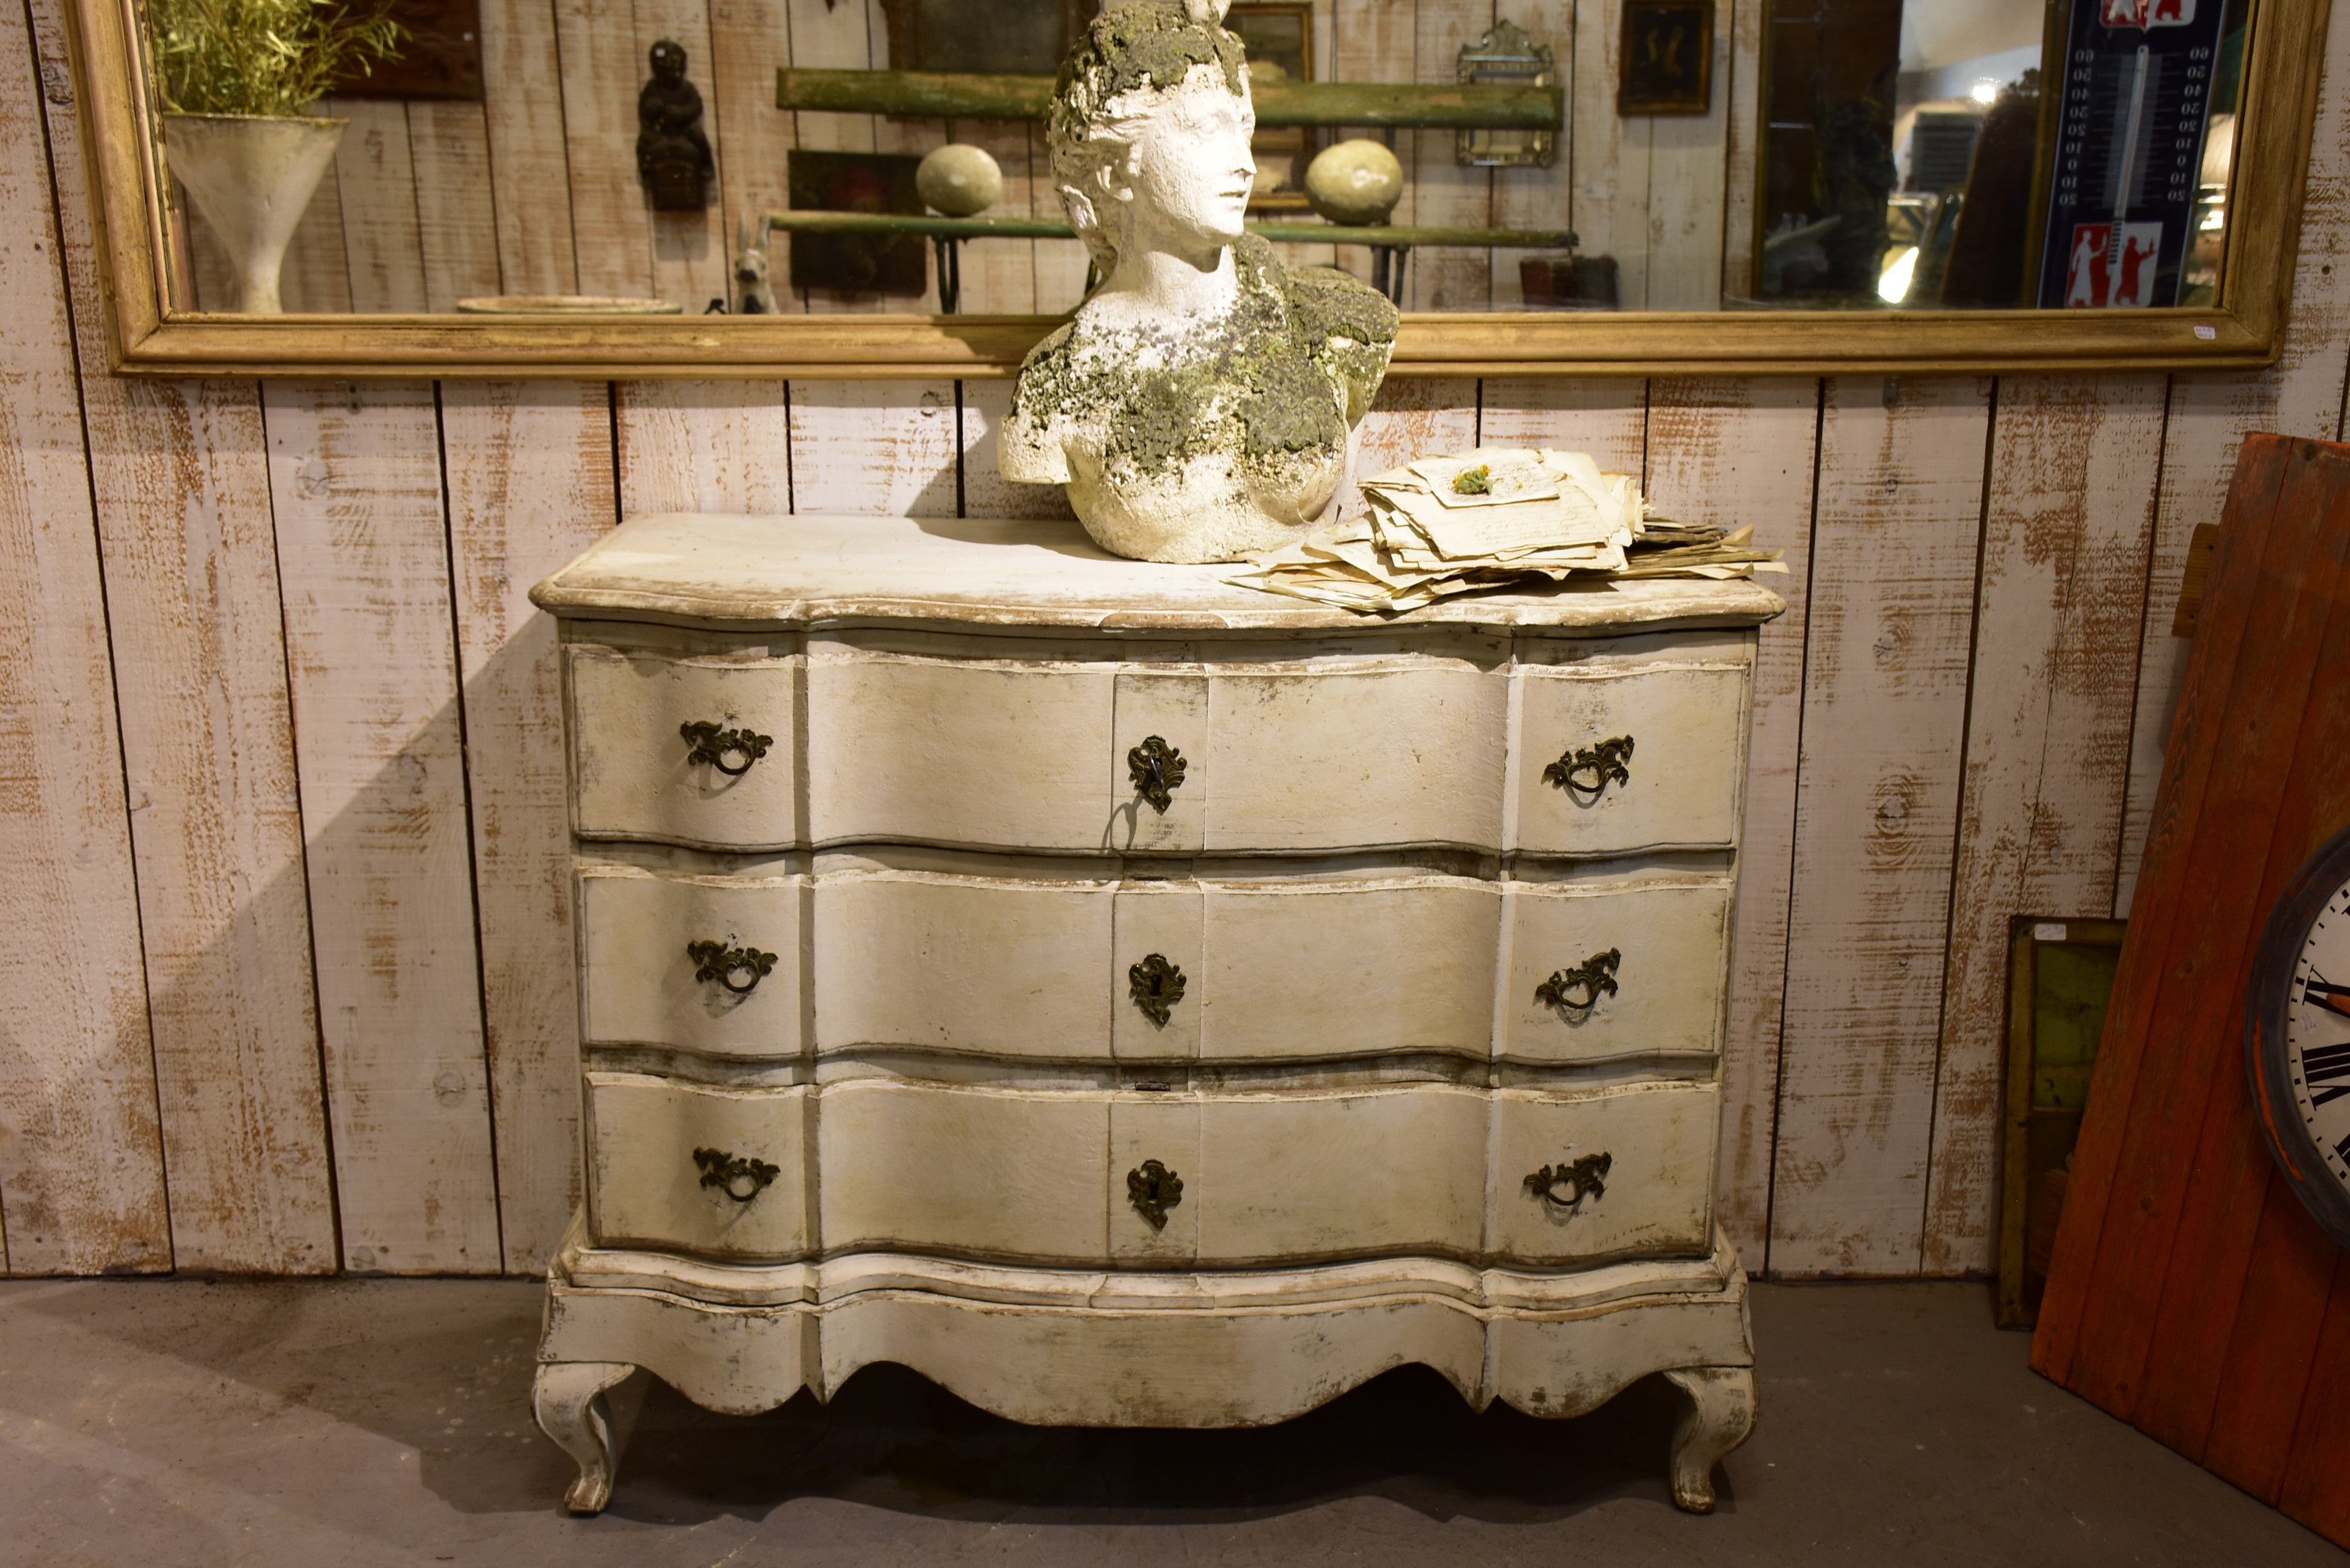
361	1422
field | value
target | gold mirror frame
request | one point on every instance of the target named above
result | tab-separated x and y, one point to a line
2245	331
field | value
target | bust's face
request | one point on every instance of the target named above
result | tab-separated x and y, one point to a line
1192	169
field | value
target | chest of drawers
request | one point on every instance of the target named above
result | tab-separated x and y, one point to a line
1127	999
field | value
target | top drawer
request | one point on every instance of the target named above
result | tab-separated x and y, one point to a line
1260	750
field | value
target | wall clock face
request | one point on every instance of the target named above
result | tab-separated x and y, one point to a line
2297	1035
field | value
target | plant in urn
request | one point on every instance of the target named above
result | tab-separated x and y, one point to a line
1202	404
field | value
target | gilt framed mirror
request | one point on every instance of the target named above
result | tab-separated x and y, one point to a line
713	188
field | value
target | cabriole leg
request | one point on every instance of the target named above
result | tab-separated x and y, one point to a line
1721	1412
568	1399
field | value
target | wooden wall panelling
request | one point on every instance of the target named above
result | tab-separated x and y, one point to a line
2073	461
362	538
985	491
704	446
603	70
1376	41
2262	1369
375	176
1610	172
999	276
1411	420
1688	165
2182	969
1891	603
835	36
1443	192
1607	418
909	136
1735	452
693	253
178	471
1740	90
456	219
529	468
1536	197
81	1157
873	447
750	40
530	175
2210	415
316	277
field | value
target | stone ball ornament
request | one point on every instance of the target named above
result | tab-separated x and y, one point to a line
1356	182
960	181
1201	404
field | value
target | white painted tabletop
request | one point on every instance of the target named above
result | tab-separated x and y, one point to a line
738	572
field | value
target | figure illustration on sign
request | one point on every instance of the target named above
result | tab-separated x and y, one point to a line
2144	13
2085	278
2112	265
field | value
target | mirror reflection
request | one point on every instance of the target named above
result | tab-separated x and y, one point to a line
701	157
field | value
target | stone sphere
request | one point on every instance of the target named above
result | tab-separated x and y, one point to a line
1355	182
960	181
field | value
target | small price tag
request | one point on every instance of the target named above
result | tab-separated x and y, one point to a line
2048	931
2207	333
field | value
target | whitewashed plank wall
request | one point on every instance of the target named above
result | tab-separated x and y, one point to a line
283	986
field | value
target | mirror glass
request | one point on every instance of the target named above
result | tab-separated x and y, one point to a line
707	156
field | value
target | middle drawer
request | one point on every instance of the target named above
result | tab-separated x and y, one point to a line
1239	970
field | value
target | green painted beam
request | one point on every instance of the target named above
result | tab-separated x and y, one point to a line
947	94
1290	234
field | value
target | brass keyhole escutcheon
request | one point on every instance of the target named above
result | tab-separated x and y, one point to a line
1156	987
716	961
713	745
740	1178
1589	770
1578	990
1157	769
1153	1190
1586	1178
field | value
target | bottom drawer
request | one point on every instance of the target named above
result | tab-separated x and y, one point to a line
691	1168
1170	1180
1391	1171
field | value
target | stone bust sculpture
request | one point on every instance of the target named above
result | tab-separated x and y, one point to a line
1202	404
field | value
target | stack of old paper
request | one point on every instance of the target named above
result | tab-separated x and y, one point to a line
1490	518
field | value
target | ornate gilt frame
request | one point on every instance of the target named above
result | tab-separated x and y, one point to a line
2245	332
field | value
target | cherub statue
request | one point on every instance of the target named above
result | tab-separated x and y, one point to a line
672	153
1202	404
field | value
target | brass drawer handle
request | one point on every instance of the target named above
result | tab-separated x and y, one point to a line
1586	1178
732	1174
1595	978
716	961
1588	770
1156	986
1157	769
715	745
1153	1190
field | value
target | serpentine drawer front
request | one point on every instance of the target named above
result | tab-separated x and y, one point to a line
1131	999
1248	969
1086	1177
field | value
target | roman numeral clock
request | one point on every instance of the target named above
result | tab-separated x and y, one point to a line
2297	1035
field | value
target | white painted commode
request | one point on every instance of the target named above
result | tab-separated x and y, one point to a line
1130	1000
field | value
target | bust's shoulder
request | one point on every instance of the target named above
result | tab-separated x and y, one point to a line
1328	302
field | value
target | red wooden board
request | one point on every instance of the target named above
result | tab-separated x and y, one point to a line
2190	1293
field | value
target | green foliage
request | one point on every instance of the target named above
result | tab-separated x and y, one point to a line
273	58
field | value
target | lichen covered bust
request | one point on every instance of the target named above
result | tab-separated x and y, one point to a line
1202	404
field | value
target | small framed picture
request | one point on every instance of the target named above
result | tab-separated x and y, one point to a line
1667	60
